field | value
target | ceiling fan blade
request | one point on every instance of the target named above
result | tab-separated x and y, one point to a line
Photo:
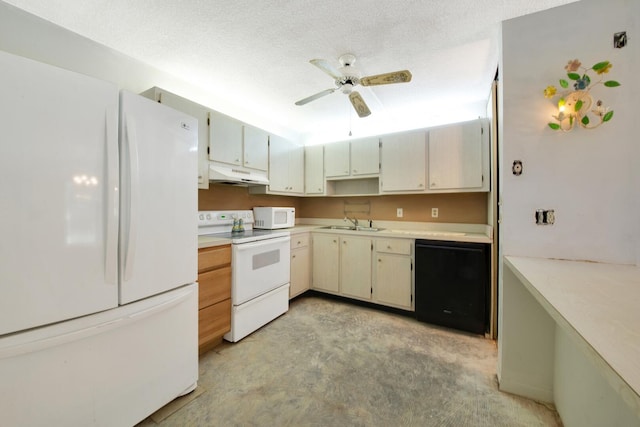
316	96
403	76
327	68
359	104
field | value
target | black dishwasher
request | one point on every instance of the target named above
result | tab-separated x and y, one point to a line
452	282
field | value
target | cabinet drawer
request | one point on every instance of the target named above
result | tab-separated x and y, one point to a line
214	286
299	240
216	256
394	246
214	321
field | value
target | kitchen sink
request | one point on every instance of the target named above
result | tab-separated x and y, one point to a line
358	228
340	227
351	228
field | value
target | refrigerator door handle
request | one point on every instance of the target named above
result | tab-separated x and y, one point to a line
131	143
112	200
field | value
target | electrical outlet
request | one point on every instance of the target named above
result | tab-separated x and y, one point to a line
399	213
545	217
434	212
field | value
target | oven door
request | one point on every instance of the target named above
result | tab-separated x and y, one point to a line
258	267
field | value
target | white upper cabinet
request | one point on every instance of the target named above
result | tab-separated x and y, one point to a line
336	159
226	139
255	148
456	157
286	166
314	170
365	156
352	158
195	110
237	144
403	159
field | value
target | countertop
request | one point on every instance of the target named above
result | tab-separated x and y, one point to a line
600	302
209	241
410	230
478	233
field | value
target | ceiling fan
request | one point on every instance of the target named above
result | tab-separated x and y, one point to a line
347	77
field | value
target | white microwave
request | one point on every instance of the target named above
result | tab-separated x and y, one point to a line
271	218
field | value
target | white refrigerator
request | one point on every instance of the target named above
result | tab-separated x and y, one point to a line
98	250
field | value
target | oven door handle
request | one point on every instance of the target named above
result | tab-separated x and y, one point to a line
241	247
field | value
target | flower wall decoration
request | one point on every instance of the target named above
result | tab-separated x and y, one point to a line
575	103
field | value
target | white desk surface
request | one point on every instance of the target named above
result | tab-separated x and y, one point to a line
601	302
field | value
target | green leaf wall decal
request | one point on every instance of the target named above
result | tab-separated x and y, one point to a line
578	106
585	120
611	83
607	116
573	76
564	83
554	126
600	65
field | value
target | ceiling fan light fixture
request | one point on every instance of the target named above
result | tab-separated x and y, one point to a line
347	78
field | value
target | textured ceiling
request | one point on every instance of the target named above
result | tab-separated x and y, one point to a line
255	54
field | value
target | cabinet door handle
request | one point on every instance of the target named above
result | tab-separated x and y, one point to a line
379	260
293	256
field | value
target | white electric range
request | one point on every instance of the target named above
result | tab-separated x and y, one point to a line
260	269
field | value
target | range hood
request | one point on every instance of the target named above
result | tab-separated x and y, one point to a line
224	174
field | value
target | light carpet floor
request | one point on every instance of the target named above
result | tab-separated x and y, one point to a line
331	363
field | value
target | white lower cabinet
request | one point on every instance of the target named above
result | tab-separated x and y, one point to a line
300	264
326	261
379	270
342	265
355	267
393	284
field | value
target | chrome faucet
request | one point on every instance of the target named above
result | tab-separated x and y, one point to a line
354	221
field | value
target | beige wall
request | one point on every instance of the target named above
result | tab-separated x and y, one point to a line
229	197
468	208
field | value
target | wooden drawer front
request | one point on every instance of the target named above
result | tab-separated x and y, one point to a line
214	321
299	240
394	246
209	258
215	286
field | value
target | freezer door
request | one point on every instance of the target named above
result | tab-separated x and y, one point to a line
109	369
159	200
58	186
